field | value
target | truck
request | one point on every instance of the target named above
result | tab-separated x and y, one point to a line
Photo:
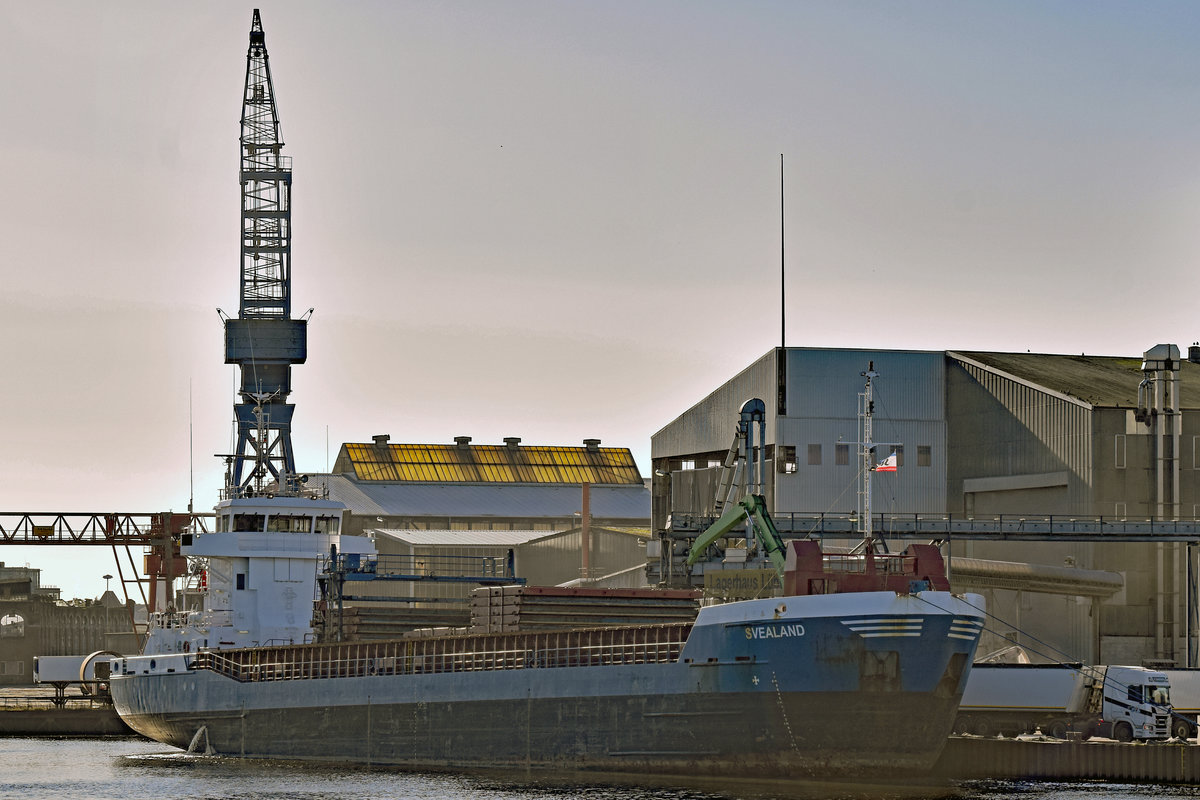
1117	702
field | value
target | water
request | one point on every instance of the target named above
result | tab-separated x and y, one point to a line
132	769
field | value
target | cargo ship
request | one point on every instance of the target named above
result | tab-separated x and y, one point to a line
816	682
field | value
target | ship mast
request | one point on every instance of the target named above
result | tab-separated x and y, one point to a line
867	445
264	341
866	410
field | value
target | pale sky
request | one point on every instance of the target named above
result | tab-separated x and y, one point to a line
561	220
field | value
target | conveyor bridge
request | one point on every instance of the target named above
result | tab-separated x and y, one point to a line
944	527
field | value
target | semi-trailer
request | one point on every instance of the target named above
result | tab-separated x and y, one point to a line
1118	702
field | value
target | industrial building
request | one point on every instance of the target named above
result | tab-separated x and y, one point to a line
981	436
464	486
35	622
444	516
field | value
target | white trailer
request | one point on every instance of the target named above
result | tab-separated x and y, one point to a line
1185	698
1123	703
61	669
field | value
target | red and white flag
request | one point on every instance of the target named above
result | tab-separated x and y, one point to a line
888	464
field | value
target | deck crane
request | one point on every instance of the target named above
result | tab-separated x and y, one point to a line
750	512
263	340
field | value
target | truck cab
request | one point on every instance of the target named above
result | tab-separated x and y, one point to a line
1131	702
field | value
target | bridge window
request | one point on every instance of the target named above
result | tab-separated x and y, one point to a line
248	522
289	523
327	525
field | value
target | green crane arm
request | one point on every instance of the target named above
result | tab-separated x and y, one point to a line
754	507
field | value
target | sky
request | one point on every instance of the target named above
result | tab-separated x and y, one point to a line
560	220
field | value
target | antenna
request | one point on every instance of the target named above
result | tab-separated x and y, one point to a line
191	455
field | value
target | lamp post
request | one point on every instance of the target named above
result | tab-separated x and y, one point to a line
107	578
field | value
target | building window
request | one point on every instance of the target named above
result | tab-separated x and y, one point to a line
241	580
788	464
1196	452
1120	510
924	455
814	455
841	454
12	667
1119	450
899	451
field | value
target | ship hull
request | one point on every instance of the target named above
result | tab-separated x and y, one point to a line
768	696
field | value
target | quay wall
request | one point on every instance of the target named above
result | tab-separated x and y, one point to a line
63	722
1160	762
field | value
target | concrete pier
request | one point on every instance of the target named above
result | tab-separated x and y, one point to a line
63	722
1160	762
30	711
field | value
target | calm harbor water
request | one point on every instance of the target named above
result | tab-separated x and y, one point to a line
130	769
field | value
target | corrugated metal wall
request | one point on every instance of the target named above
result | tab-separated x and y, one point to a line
710	424
1004	427
558	559
822	403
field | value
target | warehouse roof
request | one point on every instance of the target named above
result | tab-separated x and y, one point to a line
1099	380
484	500
507	463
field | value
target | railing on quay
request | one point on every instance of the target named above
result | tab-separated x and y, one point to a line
46	703
651	644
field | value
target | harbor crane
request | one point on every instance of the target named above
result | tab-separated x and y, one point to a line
263	340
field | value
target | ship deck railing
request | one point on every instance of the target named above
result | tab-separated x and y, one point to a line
595	647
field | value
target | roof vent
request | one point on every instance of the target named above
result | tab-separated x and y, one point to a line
592	445
512	441
461	442
381	439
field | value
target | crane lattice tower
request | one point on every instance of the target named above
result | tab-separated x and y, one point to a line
264	341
